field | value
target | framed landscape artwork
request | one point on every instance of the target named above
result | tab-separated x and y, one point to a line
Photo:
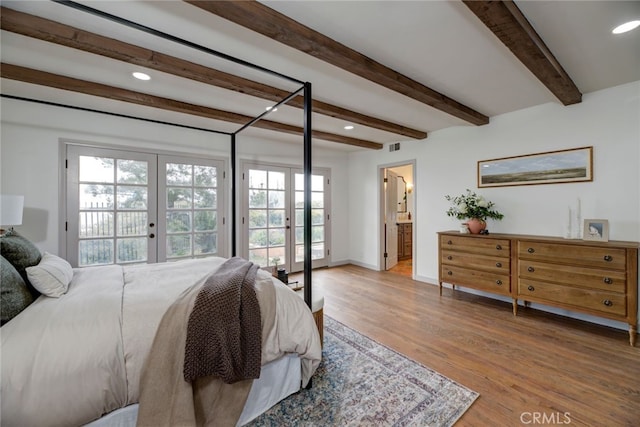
573	165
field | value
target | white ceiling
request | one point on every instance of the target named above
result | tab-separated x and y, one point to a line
440	44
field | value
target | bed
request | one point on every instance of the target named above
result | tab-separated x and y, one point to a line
77	359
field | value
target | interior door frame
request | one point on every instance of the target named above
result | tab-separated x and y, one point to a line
381	212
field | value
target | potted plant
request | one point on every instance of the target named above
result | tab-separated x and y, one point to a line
274	263
473	207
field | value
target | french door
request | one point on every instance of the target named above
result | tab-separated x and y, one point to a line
191	217
127	207
272	216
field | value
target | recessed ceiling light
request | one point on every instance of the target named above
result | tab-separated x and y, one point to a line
269	109
348	127
141	76
627	26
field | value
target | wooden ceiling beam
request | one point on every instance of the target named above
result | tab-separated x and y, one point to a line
508	23
54	32
29	75
270	23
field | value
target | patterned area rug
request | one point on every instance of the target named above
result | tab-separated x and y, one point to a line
363	383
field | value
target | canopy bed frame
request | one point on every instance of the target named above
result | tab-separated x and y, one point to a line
289	371
304	89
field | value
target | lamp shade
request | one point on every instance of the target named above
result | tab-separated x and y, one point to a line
11	209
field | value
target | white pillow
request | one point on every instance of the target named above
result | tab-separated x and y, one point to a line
51	277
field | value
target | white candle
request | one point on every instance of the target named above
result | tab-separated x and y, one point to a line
568	231
579	219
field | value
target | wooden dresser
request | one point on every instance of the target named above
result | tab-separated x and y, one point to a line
596	278
405	240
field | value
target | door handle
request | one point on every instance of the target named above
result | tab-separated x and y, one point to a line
151	236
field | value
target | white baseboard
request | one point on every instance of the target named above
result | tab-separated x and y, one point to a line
427	280
363	264
339	263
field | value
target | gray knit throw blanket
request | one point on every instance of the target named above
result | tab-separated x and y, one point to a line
224	333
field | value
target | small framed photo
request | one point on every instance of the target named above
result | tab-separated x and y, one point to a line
596	229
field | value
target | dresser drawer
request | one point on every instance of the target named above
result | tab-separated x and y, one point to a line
589	256
600	279
477	245
407	249
592	277
605	302
484	262
477	279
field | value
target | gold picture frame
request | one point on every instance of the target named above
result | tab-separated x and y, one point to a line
596	229
551	167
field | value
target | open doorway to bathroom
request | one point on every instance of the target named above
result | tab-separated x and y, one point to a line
398	218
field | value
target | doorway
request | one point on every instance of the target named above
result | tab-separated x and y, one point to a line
398	218
272	218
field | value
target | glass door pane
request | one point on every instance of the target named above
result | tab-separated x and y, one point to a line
191	208
110	204
266	224
319	219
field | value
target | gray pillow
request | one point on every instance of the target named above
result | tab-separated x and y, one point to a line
21	253
14	295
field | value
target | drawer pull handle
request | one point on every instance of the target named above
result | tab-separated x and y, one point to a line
531	288
607	280
450	273
498	264
608	258
607	302
498	282
449	257
449	242
531	269
499	247
531	250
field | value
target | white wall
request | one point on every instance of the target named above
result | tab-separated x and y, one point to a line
30	160
446	164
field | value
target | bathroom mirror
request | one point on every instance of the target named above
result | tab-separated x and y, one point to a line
402	195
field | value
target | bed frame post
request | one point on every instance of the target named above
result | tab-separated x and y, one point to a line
233	194
307	195
308	298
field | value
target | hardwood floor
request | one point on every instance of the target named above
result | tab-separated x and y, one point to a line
533	369
404	267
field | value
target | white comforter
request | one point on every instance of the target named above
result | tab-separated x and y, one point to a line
69	360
